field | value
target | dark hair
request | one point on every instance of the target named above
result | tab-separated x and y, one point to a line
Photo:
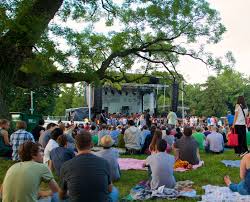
21	125
104	126
187	131
83	140
206	128
178	130
41	122
27	150
241	101
162	145
131	122
50	125
62	140
93	127
56	133
145	127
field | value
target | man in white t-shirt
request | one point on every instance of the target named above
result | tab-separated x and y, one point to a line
51	145
172	119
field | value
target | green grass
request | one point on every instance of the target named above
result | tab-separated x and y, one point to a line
211	173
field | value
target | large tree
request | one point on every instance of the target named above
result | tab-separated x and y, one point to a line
156	32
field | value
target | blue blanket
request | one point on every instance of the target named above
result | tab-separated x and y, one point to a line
231	163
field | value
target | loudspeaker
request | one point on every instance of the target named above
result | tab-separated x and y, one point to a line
175	96
153	80
98	100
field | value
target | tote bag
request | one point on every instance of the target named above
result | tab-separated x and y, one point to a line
233	139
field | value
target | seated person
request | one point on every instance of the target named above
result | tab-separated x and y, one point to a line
186	148
178	134
61	154
161	165
169	139
102	133
132	137
91	179
243	187
5	147
94	133
51	145
114	133
148	140
153	145
22	180
199	137
214	142
111	155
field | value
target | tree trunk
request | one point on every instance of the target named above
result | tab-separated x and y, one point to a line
6	79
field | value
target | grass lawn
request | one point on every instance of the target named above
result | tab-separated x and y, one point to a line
211	173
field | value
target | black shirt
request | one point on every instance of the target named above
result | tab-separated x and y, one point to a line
36	132
86	177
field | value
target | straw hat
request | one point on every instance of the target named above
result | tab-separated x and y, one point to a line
107	141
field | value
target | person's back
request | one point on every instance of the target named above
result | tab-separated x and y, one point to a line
90	179
23	180
187	149
215	142
115	134
111	155
132	138
44	138
200	138
161	165
37	131
19	137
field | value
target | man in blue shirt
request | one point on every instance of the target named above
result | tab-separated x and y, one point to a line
230	118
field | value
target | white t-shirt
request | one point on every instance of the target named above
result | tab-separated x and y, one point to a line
51	145
172	118
241	120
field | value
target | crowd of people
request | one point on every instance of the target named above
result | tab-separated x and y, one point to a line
88	176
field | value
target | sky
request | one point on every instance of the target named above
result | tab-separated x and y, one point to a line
235	16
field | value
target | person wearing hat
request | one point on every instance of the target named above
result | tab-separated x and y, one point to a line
111	155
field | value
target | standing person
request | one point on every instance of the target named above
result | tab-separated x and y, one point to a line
5	147
172	119
241	112
91	179
230	119
103	118
38	130
19	137
148	118
22	180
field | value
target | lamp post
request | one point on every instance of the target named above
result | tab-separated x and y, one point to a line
182	101
31	101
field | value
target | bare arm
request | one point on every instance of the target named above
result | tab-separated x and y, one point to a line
110	187
235	117
6	137
243	168
198	154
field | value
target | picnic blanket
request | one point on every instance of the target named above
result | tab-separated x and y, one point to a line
143	192
131	164
136	164
222	194
194	167
230	163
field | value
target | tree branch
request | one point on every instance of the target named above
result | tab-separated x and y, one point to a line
26	80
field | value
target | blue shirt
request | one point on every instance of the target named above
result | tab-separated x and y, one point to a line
60	155
114	134
230	119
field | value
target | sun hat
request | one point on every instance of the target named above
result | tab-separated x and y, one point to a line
107	141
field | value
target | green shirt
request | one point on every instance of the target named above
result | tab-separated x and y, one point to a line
200	138
22	181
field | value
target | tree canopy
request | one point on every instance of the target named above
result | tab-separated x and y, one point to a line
218	95
40	46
